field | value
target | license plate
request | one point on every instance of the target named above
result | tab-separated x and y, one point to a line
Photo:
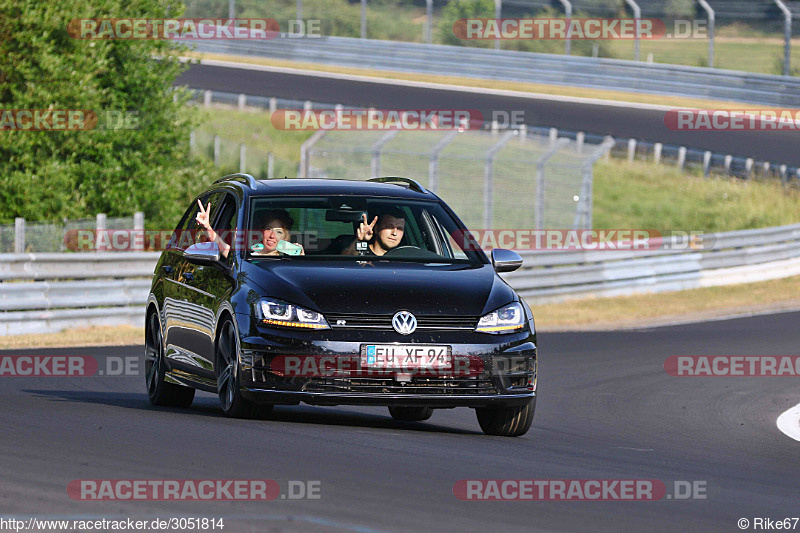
406	356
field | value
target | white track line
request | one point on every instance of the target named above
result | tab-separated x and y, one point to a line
789	422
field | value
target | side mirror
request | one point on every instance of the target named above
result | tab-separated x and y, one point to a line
505	260
203	252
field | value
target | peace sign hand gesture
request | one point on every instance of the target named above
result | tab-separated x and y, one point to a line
364	231
203	216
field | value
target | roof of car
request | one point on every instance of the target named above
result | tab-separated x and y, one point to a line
332	187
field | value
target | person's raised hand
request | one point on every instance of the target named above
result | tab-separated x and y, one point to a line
365	231
203	216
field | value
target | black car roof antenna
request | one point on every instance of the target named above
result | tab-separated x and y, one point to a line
414	185
247	179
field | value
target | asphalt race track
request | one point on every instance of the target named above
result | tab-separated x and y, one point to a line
607	410
778	147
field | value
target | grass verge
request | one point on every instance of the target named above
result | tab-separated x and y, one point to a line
94	336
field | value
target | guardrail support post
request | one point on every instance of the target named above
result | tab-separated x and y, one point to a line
242	101
580	137
206	98
363	19
711	23
748	167
657	149
706	163
637	15
308	105
787	35
19	235
631	149
681	157
242	157
765	168
273	104
568	10
784	175
728	161
523	133
100	228
217	141
553	135
138	228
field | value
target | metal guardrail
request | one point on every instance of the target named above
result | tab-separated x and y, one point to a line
50	292
609	74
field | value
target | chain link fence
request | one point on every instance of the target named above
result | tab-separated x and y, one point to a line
47	237
502	179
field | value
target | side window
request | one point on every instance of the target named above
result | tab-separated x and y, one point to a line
186	233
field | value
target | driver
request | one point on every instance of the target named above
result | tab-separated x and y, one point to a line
391	224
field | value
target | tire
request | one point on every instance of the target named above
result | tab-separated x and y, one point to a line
159	392
506	421
411	414
228	372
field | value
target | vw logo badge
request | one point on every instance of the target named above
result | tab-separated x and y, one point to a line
404	322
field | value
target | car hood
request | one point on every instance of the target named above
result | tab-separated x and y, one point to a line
381	287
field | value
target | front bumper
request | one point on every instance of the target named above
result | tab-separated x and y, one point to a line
507	365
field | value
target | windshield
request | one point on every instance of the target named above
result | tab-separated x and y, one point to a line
352	228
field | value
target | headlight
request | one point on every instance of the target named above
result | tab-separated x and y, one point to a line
278	313
507	319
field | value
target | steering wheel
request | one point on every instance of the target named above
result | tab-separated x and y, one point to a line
406	248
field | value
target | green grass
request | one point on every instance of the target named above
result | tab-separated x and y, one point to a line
626	195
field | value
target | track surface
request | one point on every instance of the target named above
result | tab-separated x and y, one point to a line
779	147
606	410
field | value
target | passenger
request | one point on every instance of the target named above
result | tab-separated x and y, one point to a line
391	223
276	223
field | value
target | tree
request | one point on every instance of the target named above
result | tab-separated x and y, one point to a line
46	175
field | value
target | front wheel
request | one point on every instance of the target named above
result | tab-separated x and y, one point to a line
159	392
410	414
229	375
506	421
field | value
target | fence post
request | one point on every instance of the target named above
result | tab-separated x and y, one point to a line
787	35
216	150
231	9
429	21
637	15
363	19
19	235
568	10
498	10
100	228
376	152
299	10
270	165
138	228
488	178
242	157
304	149
540	197
433	162
711	23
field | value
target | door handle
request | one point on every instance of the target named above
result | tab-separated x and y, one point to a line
188	276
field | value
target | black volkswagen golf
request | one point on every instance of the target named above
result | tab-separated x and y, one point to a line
335	292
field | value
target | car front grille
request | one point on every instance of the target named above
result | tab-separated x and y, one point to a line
430	322
432	386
